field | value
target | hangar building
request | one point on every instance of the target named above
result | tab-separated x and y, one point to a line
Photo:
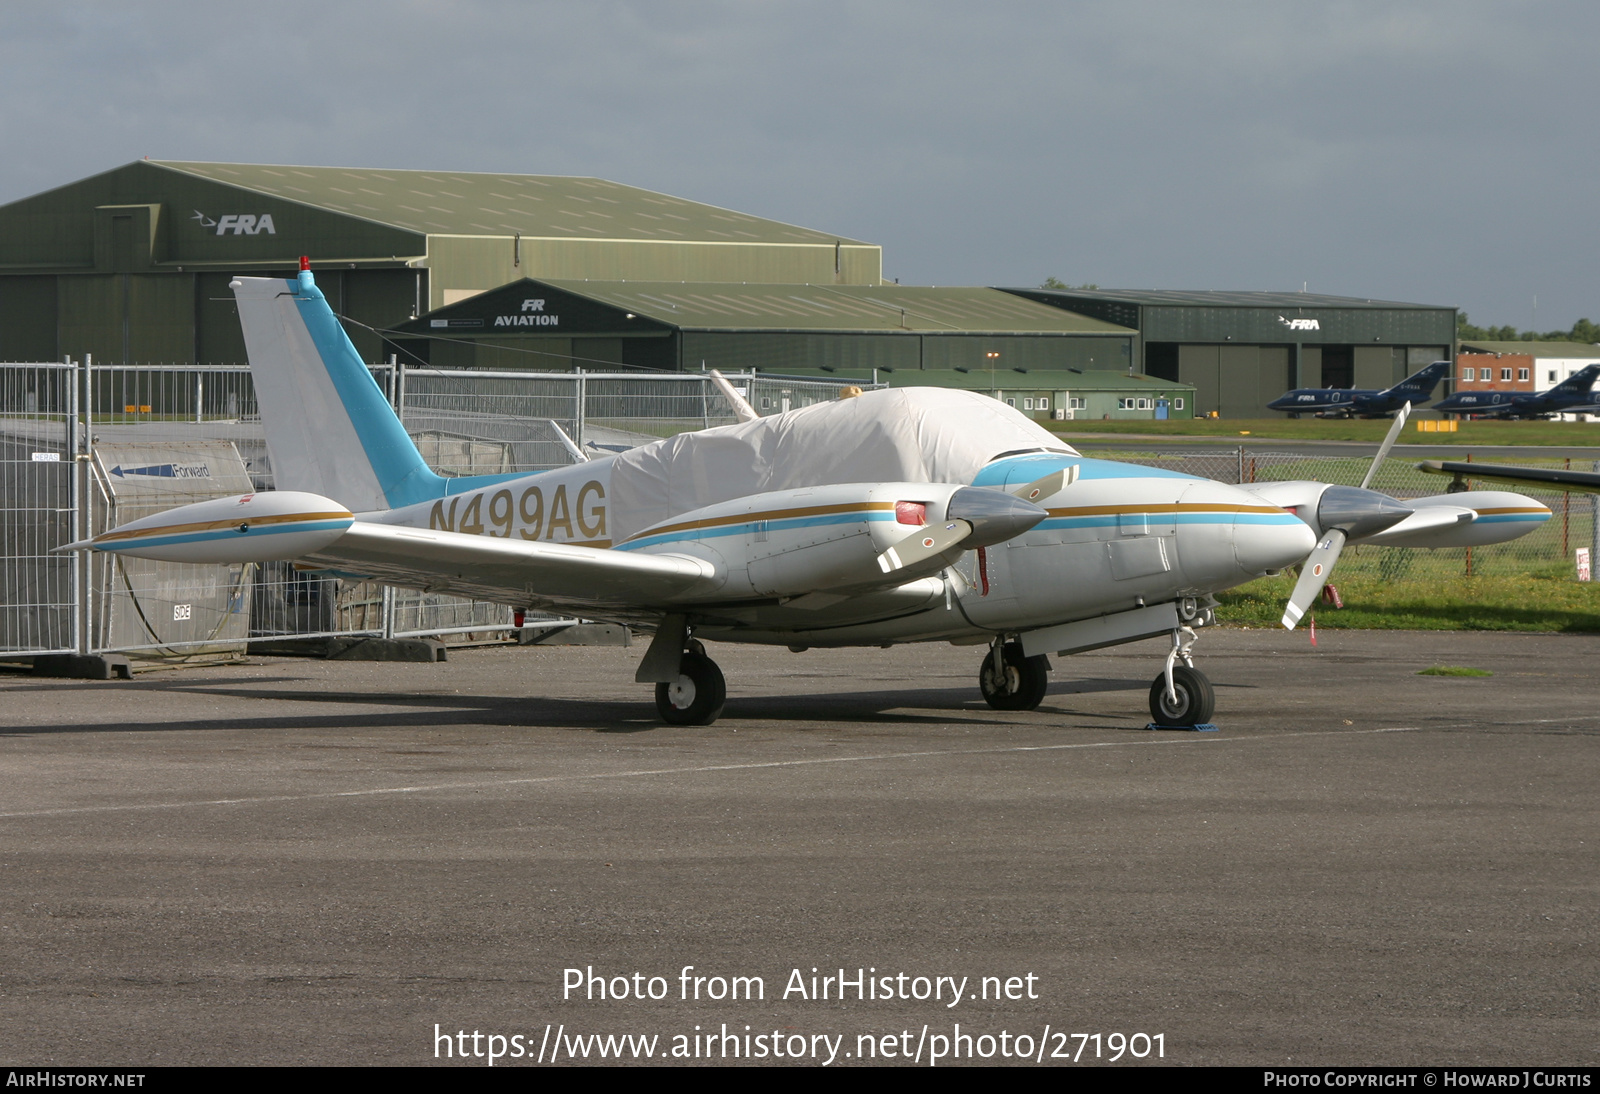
1241	350
1042	359
133	265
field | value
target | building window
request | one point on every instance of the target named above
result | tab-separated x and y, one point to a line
1505	374
1552	376
1075	402
1145	404
1177	404
1468	375
1044	404
1522	374
1027	404
1011	402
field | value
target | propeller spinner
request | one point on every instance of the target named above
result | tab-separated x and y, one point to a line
1344	512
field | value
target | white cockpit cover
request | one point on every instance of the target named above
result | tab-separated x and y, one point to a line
915	434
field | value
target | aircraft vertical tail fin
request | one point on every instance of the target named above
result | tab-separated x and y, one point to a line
1420	384
329	428
1578	383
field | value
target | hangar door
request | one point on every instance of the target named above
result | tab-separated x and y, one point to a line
1235	381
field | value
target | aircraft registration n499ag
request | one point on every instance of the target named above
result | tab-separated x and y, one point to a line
905	515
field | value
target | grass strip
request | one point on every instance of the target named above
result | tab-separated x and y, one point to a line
1577	434
1510	602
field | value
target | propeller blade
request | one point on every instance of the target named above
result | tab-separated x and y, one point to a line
1388	443
924	545
742	409
1048	486
1314	575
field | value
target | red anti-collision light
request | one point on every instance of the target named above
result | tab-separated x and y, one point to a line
305	262
911	512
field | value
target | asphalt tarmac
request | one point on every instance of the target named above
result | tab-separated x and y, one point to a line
296	862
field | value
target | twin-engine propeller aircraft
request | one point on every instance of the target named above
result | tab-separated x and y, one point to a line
1346	402
1570	396
908	515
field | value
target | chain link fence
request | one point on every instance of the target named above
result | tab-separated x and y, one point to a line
83	449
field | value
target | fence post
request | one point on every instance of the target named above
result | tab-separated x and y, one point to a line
1594	521
581	417
1566	516
1239	479
83	503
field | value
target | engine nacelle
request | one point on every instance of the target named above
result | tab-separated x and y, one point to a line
1500	516
792	542
279	524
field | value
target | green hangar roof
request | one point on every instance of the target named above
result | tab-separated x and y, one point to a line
470	232
473	203
747	307
1219	298
1195	316
1534	349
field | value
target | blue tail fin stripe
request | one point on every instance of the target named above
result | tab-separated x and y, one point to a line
403	475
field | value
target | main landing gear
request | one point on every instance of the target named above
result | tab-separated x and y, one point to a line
696	697
1181	697
1011	681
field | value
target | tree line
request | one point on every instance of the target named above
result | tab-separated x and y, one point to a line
1582	331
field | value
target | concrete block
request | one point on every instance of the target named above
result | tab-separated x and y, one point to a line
99	666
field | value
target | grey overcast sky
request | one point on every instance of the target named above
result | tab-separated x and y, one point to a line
1436	152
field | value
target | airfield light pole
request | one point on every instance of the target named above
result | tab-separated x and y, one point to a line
993	356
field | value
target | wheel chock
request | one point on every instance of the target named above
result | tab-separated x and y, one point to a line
1203	727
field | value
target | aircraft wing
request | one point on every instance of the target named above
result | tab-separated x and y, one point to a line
1577	482
513	571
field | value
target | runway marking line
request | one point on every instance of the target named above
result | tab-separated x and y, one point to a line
1196	740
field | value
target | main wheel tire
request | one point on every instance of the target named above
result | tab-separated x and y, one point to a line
1023	684
696	697
1196	699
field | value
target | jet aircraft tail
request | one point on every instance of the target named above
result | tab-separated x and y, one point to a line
1575	386
1419	385
329	428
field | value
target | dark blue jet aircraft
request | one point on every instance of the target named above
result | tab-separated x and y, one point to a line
1347	402
1570	396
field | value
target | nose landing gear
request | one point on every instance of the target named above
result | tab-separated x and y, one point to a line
1182	697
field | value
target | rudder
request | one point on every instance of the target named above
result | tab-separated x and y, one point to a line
329	428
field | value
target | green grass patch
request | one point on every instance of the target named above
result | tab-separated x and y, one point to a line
1498	602
1333	429
1454	670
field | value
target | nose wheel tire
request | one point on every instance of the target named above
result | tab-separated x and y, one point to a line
696	697
1195	704
1022	684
